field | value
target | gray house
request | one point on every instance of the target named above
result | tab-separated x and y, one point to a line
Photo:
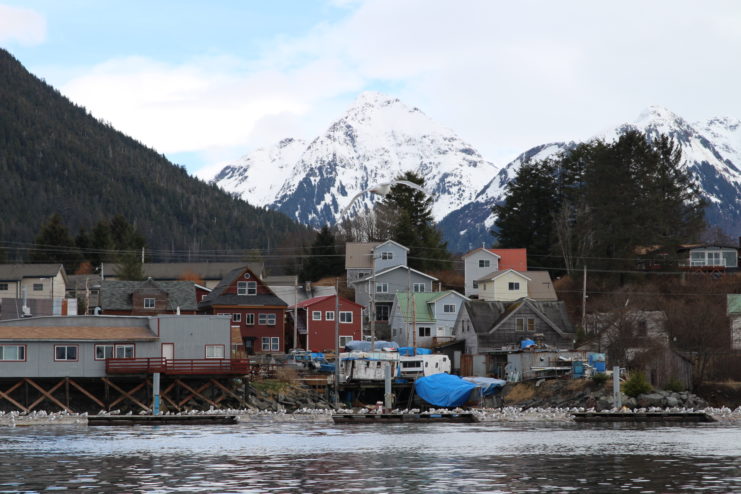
78	346
389	282
362	258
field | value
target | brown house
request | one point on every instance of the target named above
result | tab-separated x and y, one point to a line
258	315
148	298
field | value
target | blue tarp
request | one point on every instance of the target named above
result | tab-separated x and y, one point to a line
410	351
365	346
527	343
443	390
489	386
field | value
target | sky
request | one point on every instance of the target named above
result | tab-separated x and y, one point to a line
205	82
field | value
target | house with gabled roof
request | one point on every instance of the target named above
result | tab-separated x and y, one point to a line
362	258
425	319
258	314
207	274
148	297
482	261
384	285
43	287
319	317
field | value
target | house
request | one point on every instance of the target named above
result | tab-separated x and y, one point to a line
733	309
490	330
258	315
506	286
389	282
206	274
319	318
149	297
480	262
424	319
78	346
362	258
708	257
41	288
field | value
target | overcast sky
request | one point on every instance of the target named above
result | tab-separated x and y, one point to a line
207	81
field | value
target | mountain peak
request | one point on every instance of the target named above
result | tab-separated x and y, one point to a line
374	98
656	112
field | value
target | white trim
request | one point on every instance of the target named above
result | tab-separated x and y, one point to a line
491	277
381	273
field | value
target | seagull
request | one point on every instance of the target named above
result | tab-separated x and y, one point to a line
382	189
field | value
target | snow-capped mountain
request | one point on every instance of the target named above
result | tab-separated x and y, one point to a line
376	140
711	151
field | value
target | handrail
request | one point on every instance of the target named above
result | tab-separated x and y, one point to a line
176	366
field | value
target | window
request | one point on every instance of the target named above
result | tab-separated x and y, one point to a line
523	323
203	297
65	353
530	324
270	344
519	324
329	315
382	312
387	256
237	317
103	352
449	308
3	287
249	319
475	284
514	285
246	288
345	317
149	303
484	263
37	287
214	351
344	340
266	319
16	353
382	287
316	315
418	287
423	331
124	351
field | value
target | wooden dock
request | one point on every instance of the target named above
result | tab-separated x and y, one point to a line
161	420
397	418
643	417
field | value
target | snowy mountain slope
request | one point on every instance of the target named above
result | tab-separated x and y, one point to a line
711	150
376	140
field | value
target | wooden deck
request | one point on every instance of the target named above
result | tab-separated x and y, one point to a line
182	367
397	418
161	419
643	417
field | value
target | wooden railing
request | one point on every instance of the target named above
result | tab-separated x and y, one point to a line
177	366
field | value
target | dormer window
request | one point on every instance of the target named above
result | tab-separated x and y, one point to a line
247	288
149	303
387	256
514	285
484	263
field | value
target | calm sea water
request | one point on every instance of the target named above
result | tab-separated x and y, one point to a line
404	458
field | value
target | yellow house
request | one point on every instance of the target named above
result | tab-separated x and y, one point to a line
503	286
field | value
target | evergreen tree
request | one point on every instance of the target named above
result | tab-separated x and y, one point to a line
130	266
405	215
55	245
324	259
101	244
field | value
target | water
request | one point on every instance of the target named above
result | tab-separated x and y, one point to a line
409	458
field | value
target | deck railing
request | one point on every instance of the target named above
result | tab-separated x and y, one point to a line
176	366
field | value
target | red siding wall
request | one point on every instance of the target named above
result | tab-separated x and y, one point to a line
321	333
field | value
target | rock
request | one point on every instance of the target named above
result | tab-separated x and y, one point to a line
672	401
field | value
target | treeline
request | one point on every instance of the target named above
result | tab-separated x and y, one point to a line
602	205
55	157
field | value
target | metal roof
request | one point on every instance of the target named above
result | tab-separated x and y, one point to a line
16	272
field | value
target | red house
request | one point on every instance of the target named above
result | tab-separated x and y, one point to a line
316	322
258	315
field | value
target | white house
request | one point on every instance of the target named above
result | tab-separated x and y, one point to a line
480	262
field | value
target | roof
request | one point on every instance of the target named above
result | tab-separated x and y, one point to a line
552	313
391	242
497	274
515	259
289	294
218	297
92	333
484	314
117	295
15	272
175	270
358	255
421	303
317	300
734	303
540	286
287	280
480	249
684	247
381	273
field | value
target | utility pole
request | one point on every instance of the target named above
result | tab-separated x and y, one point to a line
337	340
142	255
584	302
372	311
295	313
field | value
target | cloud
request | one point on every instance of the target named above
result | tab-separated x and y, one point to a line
505	76
22	26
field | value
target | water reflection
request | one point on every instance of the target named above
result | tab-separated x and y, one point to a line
405	458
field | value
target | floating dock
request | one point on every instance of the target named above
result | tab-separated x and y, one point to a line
643	417
396	418
162	419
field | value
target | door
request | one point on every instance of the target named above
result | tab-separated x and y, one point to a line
168	351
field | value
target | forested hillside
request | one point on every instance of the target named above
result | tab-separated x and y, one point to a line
55	157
